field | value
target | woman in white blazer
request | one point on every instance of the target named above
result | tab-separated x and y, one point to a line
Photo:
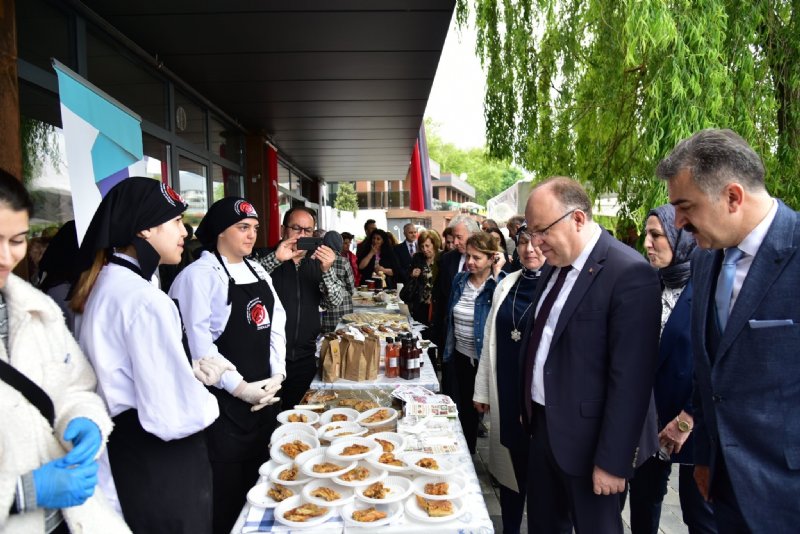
497	381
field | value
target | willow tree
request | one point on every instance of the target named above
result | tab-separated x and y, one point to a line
602	89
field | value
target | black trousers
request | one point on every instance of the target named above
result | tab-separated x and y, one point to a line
512	503
648	488
464	383
299	374
557	501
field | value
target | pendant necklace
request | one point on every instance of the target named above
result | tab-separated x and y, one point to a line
516	335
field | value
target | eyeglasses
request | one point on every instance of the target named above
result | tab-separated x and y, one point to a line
300	230
540	234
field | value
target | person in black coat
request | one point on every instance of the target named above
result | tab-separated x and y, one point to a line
378	261
418	290
405	251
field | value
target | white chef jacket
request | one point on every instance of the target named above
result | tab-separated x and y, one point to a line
202	292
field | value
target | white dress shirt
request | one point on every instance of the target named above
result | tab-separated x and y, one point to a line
537	385
201	290
411	246
750	245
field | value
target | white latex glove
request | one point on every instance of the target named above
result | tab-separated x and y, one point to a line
210	369
271	387
252	392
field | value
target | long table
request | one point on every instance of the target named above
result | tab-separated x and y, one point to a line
475	520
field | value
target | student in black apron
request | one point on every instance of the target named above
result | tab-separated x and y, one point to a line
232	314
131	332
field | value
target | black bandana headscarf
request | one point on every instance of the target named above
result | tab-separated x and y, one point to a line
133	205
223	214
677	273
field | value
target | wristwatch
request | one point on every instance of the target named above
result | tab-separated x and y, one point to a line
683	426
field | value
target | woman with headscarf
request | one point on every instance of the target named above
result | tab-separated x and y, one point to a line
132	333
668	250
497	381
52	424
378	261
231	312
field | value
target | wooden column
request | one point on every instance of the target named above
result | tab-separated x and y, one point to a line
257	183
10	150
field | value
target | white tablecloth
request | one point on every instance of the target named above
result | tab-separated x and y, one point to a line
475	520
427	378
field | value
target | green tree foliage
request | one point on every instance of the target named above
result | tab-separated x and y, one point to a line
346	198
603	89
488	176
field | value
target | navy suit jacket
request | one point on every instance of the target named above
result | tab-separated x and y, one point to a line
403	261
598	377
748	401
673	384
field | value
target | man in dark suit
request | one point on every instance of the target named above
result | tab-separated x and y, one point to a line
588	365
404	251
745	333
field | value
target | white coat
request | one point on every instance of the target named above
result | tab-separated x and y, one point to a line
486	387
42	349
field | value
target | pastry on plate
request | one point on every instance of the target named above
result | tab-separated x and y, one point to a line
363	406
377	417
376	491
356	448
435	508
326	494
428	463
326	467
288	474
359	473
297	418
369	515
388	446
338	417
294	448
437	488
304	512
389	459
279	493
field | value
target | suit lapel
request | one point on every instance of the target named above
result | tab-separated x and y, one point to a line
587	276
705	264
769	262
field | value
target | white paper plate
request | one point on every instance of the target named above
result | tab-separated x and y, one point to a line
392	510
275	452
457	487
446	466
310	461
267	467
300	479
350	413
336	449
347	493
396	439
312	417
399	489
329	433
375	474
292	428
257	496
294	502
374	461
415	512
362	420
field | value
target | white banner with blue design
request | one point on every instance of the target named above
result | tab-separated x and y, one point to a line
103	139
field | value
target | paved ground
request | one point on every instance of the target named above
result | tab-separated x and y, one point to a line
671	522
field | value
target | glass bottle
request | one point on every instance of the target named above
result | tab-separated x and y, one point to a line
392	369
405	357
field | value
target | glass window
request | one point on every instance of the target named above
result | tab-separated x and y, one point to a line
155	163
133	85
284	177
193	189
225	183
225	142
190	120
46	175
42	32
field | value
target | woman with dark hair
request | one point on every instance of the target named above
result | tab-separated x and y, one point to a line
52	424
470	302
132	333
231	312
668	250
378	261
57	269
497	381
421	276
500	238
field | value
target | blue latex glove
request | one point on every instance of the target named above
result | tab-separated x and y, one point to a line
60	486
86	440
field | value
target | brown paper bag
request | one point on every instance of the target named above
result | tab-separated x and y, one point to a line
332	362
344	342
355	367
372	355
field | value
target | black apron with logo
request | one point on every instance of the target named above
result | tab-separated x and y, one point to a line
238	440
163	486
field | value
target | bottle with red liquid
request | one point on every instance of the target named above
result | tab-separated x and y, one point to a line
392	369
405	358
